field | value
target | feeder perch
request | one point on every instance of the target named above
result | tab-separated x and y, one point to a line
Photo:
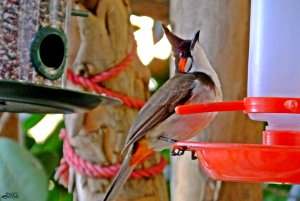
33	54
273	97
271	162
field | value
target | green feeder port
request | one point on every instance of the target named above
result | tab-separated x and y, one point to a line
33	54
48	52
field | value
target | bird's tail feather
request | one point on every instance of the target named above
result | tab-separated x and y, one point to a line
121	177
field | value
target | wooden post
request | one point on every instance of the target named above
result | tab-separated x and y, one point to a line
9	125
99	135
157	9
224	34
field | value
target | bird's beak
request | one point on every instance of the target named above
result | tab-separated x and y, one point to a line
182	64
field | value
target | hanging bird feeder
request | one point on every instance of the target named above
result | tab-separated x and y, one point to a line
273	97
33	54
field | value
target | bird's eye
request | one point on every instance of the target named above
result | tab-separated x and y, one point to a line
181	54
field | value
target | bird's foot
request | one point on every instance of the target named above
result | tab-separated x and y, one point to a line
194	156
174	152
166	139
178	152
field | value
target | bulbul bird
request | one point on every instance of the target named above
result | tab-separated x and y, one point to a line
157	125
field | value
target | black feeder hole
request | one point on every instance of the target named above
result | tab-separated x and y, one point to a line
52	51
48	52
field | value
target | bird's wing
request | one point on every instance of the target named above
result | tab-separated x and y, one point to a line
161	105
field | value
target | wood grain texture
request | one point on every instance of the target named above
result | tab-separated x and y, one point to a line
157	9
99	135
9	125
224	34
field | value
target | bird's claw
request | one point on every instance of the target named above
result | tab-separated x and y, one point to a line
193	155
166	139
178	152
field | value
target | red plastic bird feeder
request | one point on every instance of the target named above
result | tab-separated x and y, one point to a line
273	96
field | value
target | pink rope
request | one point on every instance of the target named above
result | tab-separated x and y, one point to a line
90	169
93	170
110	73
62	173
92	83
88	84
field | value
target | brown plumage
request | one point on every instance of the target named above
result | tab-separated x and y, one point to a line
195	81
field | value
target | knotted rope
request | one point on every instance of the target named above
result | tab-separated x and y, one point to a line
94	170
92	83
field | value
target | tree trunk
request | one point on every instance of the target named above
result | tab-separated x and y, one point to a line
156	9
9	125
99	135
224	34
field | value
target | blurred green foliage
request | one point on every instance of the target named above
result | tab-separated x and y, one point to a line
276	192
22	176
49	154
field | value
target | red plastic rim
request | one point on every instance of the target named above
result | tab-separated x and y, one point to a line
275	161
288	138
272	105
211	107
247	162
249	105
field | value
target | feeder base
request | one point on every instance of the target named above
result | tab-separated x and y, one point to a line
247	162
23	97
